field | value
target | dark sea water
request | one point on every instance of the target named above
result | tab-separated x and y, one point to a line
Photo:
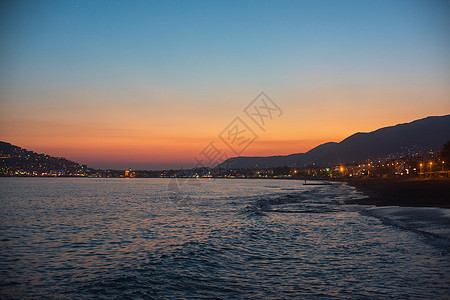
161	238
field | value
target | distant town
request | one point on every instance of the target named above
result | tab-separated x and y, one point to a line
19	162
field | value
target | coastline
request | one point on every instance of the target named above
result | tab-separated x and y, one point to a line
414	192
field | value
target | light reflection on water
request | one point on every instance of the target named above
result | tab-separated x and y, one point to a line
65	237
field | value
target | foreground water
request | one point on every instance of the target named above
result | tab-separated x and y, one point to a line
161	238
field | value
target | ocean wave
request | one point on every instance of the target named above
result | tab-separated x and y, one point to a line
307	201
431	223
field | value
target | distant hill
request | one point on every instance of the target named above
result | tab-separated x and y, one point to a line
15	160
424	135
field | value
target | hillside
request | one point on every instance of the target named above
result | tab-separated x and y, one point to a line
420	136
15	160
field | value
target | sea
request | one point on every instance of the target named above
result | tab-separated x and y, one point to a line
178	238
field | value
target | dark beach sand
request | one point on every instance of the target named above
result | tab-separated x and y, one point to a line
403	192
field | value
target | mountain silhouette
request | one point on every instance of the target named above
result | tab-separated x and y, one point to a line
420	136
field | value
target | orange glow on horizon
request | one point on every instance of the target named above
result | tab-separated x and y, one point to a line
111	135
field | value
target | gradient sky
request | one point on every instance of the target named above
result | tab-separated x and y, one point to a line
148	84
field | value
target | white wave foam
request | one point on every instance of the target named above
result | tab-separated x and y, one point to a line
431	220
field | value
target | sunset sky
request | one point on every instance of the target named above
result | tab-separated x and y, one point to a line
149	84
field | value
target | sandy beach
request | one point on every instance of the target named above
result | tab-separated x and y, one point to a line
403	192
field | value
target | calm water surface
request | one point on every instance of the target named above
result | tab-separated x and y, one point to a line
161	238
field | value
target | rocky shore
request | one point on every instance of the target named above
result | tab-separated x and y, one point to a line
403	192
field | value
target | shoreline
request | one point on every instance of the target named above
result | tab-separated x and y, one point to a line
411	192
414	192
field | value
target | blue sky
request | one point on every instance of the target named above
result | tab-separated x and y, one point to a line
187	41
